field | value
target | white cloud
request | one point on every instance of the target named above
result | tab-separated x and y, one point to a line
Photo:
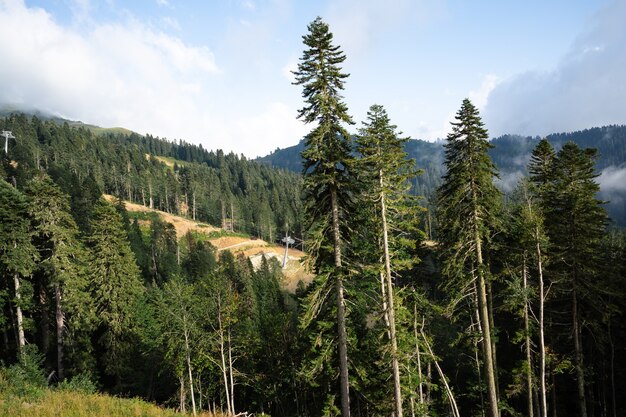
358	23
276	126
612	179
163	2
133	76
171	23
587	89
286	71
480	96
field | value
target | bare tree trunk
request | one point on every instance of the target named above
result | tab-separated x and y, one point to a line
231	372
529	363
232	216
182	405
453	406
397	388
419	361
18	312
476	342
199	393
542	342
60	323
341	310
578	356
150	196
193	212
188	356
385	307
483	309
223	215
223	355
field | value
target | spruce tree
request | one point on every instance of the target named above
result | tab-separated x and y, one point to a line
386	170
468	207
56	239
115	285
575	223
327	173
17	254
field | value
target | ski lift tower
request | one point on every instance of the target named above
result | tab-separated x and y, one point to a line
288	240
7	135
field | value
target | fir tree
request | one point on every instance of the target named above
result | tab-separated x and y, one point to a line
17	254
56	239
575	223
115	285
327	172
386	170
468	204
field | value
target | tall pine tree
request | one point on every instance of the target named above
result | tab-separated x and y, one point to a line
575	223
386	171
468	208
327	172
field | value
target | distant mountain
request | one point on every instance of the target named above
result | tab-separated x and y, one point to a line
510	154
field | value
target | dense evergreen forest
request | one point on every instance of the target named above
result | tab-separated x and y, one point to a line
471	302
175	177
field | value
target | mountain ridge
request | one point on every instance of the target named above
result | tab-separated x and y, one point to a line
510	154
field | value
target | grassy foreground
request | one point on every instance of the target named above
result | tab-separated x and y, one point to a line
60	403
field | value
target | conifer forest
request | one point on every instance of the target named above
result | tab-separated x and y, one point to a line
447	297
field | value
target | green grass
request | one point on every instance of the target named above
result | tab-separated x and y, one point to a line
55	403
24	393
97	130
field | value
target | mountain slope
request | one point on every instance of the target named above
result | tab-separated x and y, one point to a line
511	154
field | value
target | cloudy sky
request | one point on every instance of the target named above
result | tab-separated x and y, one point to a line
218	72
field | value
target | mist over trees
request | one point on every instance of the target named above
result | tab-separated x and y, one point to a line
443	285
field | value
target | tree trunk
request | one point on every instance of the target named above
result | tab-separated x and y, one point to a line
476	342
193	212
44	325
182	401
60	323
453	406
578	355
232	216
529	363
223	354
419	361
542	342
341	310
397	388
231	372
18	312
483	309
188	357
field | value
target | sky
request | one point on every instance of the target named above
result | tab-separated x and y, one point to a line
217	72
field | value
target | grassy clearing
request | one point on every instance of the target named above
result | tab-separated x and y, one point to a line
75	404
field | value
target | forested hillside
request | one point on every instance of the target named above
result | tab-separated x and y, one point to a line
175	177
511	154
